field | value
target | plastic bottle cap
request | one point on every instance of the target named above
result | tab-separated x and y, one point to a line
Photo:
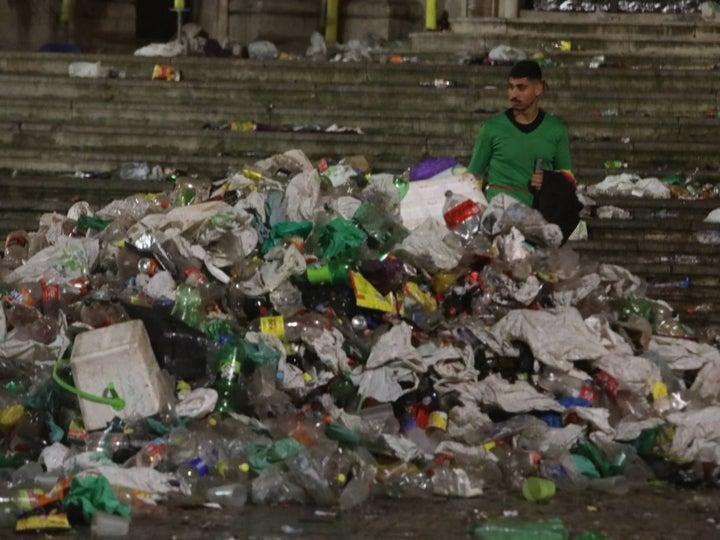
438	420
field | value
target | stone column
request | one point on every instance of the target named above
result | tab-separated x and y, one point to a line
391	19
287	23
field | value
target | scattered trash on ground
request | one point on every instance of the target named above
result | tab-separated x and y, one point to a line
314	333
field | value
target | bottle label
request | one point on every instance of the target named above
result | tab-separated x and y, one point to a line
587	393
274	325
50	293
459	213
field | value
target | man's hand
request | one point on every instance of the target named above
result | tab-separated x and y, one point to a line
536	180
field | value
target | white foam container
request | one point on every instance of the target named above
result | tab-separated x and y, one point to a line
120	354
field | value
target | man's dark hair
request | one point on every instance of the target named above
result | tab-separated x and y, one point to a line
526	68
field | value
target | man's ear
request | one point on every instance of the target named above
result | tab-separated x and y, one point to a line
539	87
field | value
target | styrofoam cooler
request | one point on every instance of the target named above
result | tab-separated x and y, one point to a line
120	354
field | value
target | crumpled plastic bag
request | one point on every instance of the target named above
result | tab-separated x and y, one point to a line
262	50
556	337
506	53
302	197
713	217
169	50
652	188
88	494
697	432
614	185
352	51
531	223
279	264
570	292
636	373
425	198
318	48
517	397
426	248
68	259
683	354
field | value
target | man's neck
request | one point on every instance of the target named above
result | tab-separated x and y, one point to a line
526	117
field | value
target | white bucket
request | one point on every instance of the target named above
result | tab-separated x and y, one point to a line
120	355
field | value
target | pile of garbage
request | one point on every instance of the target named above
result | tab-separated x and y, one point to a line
318	334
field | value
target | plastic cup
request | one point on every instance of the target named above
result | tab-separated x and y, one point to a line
537	489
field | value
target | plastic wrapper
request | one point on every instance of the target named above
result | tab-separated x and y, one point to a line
612	212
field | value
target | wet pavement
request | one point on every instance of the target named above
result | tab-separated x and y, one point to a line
651	513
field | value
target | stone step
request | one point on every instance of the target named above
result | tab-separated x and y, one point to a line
208	71
584	125
376	97
398	149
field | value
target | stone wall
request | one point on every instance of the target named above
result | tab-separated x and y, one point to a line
109	25
25	25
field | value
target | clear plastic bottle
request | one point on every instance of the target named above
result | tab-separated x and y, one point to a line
16	249
295	327
409	428
190	473
358	489
152	454
229	495
462	215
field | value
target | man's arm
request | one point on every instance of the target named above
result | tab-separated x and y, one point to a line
481	153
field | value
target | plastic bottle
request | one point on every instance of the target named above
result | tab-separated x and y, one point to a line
565	385
462	215
229	383
551	529
229	495
342	390
189	474
409	428
152	454
295	327
358	489
188	306
383	232
16	249
331	272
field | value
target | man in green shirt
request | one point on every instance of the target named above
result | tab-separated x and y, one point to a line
515	149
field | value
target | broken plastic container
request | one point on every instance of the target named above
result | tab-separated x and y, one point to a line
117	357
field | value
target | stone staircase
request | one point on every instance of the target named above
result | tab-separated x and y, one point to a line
657	118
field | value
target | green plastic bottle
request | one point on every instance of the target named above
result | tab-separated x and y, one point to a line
331	272
230	357
552	529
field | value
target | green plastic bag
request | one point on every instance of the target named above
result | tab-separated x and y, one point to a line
260	456
89	494
286	229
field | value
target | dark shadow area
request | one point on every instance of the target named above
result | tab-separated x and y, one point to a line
156	21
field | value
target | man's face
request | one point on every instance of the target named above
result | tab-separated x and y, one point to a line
524	93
